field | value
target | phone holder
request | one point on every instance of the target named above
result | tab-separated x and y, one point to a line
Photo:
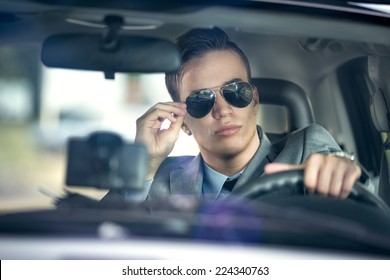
104	160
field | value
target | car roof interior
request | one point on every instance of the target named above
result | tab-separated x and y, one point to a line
278	50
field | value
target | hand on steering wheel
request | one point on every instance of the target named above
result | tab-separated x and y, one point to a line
293	180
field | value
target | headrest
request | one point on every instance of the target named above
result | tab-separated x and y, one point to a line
287	94
380	112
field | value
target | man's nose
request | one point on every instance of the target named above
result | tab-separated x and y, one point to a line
221	108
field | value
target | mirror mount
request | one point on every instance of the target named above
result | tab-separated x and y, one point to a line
110	39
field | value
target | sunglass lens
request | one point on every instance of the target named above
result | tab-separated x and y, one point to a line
200	103
238	94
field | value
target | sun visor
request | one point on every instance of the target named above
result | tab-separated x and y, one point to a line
125	54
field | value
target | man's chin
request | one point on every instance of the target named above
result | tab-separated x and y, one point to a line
228	151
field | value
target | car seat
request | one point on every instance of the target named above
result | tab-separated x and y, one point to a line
290	96
380	114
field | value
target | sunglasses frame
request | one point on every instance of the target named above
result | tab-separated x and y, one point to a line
213	95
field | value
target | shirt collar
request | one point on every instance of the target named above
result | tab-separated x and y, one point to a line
213	181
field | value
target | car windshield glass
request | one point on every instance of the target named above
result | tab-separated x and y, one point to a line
258	125
42	107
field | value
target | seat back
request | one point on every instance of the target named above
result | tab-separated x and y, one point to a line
288	95
380	114
378	70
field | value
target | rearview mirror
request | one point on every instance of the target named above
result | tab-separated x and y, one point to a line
126	54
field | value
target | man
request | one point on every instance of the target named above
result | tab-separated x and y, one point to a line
214	101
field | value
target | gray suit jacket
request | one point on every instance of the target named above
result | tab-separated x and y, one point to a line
184	175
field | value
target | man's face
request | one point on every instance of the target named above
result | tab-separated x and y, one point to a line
227	130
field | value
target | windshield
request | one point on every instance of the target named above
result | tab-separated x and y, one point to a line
248	129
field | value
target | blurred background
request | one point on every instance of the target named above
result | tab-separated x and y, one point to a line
40	108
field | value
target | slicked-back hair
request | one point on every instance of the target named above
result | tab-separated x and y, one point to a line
196	43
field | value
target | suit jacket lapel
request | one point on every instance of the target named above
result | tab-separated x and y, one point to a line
188	178
266	153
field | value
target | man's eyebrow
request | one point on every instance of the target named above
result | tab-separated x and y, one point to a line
225	83
232	81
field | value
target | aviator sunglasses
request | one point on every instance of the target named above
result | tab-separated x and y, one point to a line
201	102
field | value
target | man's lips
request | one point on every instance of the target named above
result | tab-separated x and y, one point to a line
227	130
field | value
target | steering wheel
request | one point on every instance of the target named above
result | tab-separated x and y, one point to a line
292	181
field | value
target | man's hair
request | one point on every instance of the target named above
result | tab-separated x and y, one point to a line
196	43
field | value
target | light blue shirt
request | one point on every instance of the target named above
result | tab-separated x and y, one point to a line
212	186
213	182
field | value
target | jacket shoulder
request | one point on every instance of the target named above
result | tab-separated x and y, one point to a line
312	129
300	144
173	162
316	138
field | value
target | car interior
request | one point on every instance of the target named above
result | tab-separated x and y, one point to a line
322	64
289	96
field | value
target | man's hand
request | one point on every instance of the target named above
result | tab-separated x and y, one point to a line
160	142
324	174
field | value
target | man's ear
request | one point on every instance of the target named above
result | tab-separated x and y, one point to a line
186	129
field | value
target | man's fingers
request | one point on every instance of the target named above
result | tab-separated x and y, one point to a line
160	112
312	172
337	182
279	167
324	174
350	179
162	116
175	108
176	126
